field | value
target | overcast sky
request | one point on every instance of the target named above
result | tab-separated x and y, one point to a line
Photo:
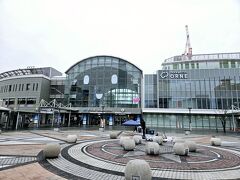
59	33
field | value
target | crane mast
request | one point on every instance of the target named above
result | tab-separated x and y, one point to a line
188	48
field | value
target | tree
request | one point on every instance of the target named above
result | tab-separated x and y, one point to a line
223	119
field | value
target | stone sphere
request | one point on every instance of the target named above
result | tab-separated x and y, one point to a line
187	132
192	146
180	149
137	139
51	150
178	140
128	144
122	138
138	168
113	135
158	139
215	141
152	148
72	138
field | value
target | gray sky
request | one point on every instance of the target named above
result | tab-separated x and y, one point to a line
59	33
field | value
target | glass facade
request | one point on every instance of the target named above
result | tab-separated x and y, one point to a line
199	89
150	93
103	80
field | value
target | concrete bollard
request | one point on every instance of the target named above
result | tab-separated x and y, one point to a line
152	148
192	146
51	150
113	135
158	139
138	169
137	139
180	149
128	144
215	141
178	140
122	138
56	129
72	138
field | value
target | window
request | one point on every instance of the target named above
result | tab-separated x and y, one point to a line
186	65
11	101
233	64
175	66
22	86
224	64
192	66
19	88
33	86
10	88
31	100
27	87
37	87
21	101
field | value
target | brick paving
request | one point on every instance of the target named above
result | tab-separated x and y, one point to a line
95	156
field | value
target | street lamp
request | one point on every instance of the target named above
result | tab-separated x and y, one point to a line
16	109
190	118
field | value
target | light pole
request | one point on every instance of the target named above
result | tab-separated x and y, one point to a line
190	119
16	109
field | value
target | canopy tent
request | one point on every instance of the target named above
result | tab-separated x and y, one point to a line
132	123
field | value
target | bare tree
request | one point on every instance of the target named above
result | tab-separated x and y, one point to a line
223	119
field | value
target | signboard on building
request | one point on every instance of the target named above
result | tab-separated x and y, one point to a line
173	75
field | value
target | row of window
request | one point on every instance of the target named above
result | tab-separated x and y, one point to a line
20	101
182	121
194	65
19	87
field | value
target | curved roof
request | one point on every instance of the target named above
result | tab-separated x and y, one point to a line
203	57
28	71
101	56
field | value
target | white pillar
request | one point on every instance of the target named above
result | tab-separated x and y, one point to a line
69	118
17	121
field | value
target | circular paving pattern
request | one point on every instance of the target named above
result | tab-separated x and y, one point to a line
204	159
106	159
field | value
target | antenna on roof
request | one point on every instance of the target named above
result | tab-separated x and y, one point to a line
188	48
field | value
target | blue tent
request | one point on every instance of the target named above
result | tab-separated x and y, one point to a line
131	123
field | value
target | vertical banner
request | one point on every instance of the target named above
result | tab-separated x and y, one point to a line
84	119
35	119
110	120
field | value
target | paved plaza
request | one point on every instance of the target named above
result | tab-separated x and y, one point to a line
96	156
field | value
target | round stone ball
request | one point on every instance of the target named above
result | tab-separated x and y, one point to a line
215	141
72	138
113	135
137	139
192	146
178	140
158	139
152	148
187	132
138	169
180	149
122	138
128	144
51	150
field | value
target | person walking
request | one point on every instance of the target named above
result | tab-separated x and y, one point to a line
143	125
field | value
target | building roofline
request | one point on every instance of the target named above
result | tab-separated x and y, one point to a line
23	72
101	56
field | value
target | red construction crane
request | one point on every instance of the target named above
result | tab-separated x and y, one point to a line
188	48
